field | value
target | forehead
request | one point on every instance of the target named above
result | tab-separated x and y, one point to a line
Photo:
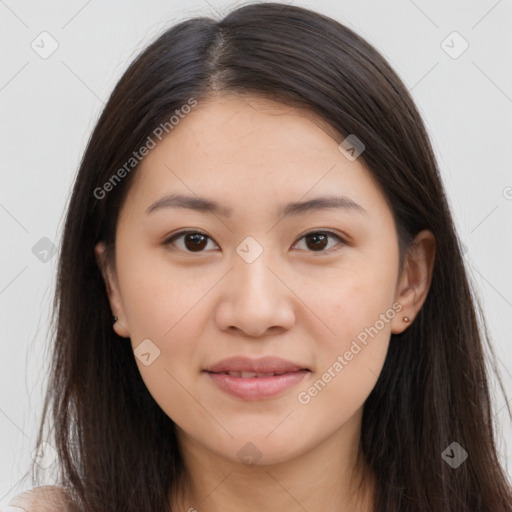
252	149
249	120
251	129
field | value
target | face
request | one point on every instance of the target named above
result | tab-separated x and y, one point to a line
318	287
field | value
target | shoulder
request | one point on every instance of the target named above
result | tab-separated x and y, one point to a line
47	498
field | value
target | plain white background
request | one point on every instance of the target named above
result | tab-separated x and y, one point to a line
48	107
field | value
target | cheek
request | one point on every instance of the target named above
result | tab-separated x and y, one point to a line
162	305
359	311
157	295
355	299
172	374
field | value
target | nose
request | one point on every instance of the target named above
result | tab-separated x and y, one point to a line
256	299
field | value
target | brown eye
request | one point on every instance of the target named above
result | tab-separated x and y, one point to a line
317	241
193	241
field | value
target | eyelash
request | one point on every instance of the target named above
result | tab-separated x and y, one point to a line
170	240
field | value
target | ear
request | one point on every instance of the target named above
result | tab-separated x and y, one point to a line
415	279
111	284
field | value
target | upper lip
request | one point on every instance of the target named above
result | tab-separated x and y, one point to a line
246	364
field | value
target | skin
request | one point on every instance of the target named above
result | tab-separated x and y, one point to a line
253	155
46	498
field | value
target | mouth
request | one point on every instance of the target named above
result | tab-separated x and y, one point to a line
256	385
254	379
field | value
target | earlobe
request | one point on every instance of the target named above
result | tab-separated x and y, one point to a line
113	293
120	329
415	279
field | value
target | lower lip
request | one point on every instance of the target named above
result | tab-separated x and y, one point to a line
255	388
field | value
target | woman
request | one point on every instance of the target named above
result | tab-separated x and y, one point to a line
260	211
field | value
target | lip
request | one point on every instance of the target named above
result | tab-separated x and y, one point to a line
263	365
256	388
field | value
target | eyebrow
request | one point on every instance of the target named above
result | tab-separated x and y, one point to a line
204	205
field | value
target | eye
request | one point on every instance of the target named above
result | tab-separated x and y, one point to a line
318	240
194	241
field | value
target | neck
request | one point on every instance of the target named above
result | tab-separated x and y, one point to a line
327	478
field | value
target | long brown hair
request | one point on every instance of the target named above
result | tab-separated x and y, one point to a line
117	449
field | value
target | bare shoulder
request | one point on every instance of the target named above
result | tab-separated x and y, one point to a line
47	498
